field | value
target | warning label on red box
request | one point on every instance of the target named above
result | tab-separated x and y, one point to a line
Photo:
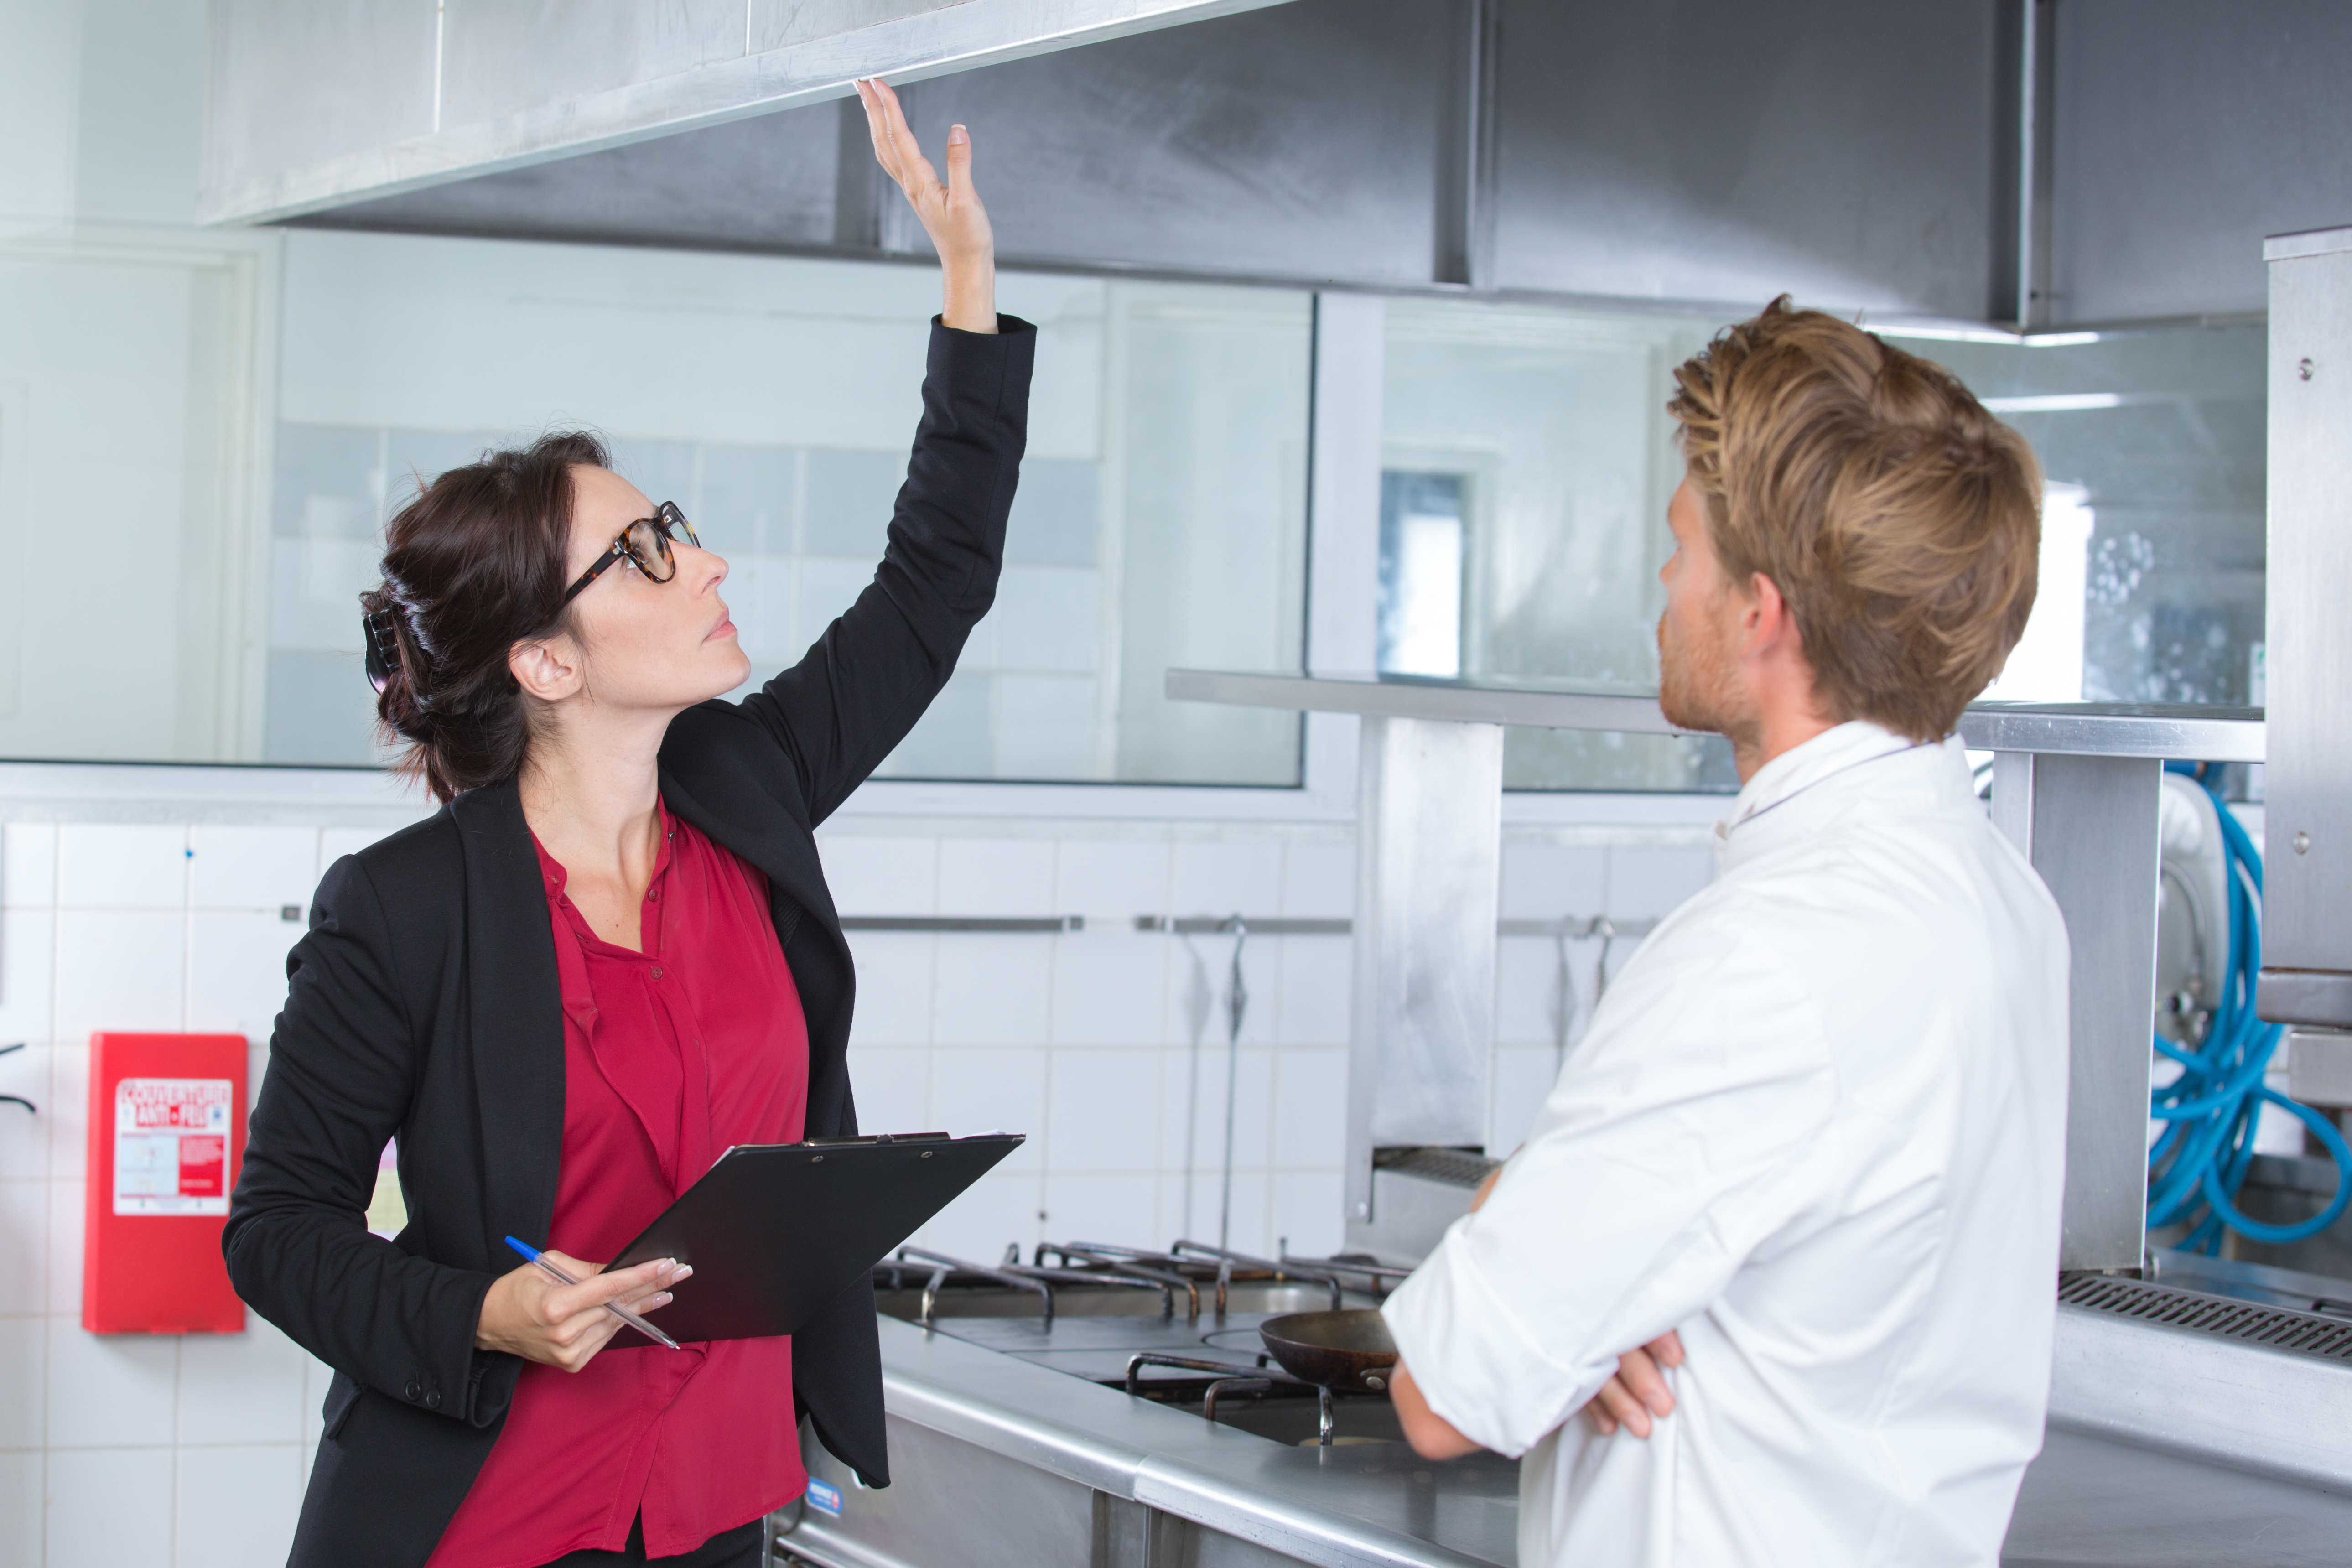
171	1145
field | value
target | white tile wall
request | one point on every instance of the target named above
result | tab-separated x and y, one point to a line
167	1449
122	866
21	1514
28	863
27	973
114	1505
229	1499
1106	1045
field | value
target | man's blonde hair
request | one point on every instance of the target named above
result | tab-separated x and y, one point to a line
1900	522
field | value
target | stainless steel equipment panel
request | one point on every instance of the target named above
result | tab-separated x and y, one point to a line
1428	879
2307	894
2089	825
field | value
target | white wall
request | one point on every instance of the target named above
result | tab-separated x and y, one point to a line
151	899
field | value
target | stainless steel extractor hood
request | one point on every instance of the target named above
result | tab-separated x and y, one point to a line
315	104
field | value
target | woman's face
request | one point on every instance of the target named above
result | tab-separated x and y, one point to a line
642	644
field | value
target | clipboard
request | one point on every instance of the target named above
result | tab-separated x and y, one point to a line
777	1231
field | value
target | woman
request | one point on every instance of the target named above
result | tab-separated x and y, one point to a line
608	957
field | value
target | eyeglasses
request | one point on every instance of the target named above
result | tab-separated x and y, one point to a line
646	543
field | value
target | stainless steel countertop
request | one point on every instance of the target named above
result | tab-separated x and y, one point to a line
2168	1448
2164	1448
1343	1507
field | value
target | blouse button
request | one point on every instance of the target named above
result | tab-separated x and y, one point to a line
657	972
652	893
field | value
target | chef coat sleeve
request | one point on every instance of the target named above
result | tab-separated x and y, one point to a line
1688	1129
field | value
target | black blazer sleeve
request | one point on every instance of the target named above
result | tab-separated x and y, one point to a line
861	687
341	1079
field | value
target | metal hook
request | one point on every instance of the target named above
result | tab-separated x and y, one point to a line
1236	1010
18	1099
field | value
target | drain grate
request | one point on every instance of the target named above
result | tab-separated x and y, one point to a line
2279	1328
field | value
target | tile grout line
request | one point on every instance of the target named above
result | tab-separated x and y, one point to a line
49	1165
187	928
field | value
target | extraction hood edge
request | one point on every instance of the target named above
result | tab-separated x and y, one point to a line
933	44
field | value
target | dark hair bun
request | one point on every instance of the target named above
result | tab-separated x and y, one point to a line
473	566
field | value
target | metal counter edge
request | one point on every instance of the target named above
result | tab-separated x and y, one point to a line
2268	1412
1163	1460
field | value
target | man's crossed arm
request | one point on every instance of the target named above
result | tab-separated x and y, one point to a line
1629	1399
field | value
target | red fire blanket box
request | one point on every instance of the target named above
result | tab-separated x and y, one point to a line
166	1137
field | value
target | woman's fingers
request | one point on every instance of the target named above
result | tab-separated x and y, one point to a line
621	1287
894	141
877	126
959	164
1666	1350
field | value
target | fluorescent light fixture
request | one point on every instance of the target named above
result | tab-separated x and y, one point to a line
1938	333
2054	403
1965	333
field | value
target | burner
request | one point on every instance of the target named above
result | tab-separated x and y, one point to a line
1179	1328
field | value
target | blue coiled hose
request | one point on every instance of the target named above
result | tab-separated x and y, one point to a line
2196	1167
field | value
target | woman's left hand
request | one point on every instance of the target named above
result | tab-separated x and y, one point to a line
951	212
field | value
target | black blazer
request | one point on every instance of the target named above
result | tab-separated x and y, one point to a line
423	1001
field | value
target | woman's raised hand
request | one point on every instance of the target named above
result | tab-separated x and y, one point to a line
950	213
529	1315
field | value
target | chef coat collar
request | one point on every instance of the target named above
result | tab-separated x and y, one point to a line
1797	791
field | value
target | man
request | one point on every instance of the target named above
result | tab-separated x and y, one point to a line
1810	1150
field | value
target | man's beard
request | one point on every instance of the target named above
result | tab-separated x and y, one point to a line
1697	689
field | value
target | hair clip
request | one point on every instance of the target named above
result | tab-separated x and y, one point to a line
383	648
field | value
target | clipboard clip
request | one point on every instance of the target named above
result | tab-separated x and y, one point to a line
876	1138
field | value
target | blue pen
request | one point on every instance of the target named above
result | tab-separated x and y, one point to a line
538	1260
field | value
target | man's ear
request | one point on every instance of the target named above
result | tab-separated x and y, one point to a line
1768	621
547	667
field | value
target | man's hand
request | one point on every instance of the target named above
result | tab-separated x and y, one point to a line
529	1315
1639	1390
950	211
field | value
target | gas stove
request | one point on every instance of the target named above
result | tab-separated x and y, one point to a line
1178	1327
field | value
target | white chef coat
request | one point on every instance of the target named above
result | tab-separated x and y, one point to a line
1817	1124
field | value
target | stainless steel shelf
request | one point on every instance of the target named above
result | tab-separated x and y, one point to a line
2117	729
2076	728
1390	697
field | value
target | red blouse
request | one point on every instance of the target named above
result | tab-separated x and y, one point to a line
670	1056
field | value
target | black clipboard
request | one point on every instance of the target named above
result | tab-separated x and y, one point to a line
776	1231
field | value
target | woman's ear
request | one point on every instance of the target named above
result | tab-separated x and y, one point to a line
546	668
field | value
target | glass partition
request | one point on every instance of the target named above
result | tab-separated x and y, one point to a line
2154	445
1161	517
1528	457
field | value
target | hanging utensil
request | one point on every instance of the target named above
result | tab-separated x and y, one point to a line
1237	1008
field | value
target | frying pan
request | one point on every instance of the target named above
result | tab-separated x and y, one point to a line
1335	1350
